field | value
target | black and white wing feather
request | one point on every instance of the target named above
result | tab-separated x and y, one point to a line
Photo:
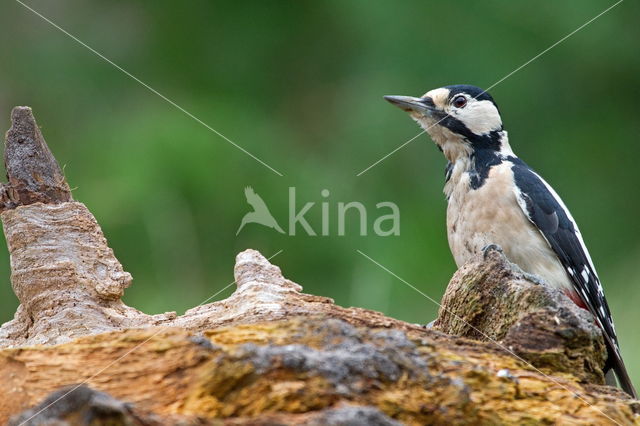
547	212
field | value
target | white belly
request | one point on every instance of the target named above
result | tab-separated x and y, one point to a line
491	215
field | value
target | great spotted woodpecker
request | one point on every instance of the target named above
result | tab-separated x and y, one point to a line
495	198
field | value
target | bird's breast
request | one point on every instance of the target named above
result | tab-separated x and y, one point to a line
481	216
490	214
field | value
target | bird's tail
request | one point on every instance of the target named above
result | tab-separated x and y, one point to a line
615	363
623	379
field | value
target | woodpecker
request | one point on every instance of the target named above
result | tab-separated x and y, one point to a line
493	197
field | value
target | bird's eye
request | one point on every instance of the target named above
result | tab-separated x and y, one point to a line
459	101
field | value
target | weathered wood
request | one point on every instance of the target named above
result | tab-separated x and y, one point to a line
270	354
32	171
306	365
490	299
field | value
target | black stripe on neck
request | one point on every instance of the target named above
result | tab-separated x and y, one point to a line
491	140
482	160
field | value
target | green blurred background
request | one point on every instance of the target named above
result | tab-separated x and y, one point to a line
300	84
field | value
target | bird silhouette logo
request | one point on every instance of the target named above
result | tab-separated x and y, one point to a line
260	213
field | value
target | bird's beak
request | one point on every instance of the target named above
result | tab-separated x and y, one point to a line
409	103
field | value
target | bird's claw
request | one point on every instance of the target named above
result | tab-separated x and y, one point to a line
536	279
490	247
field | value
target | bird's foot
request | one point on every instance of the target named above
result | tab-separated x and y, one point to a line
491	247
536	279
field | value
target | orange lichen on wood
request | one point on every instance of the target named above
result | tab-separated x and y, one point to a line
305	365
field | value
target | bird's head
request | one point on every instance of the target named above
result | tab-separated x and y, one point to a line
461	119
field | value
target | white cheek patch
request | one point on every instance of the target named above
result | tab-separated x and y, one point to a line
480	117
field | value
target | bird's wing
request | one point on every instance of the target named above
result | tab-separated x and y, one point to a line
254	199
547	212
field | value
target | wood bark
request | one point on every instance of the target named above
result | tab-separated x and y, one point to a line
504	350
